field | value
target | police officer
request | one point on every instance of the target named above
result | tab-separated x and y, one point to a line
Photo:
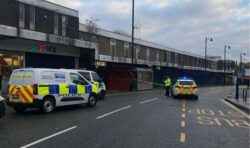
167	85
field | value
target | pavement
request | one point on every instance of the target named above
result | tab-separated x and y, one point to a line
240	103
142	119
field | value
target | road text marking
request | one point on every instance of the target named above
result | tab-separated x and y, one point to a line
149	100
244	114
46	138
113	112
182	137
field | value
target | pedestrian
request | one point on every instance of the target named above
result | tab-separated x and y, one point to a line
167	85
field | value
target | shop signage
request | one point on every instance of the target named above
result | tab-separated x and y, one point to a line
100	64
42	48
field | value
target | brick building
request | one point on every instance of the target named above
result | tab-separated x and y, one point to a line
38	33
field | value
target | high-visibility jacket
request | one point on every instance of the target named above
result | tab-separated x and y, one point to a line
167	82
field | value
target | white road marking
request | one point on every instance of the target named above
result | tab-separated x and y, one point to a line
46	138
183	115
244	114
113	112
183	124
149	100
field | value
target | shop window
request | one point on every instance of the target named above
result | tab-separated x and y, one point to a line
112	47
157	55
176	58
21	15
148	55
126	49
64	25
56	23
8	63
32	18
137	48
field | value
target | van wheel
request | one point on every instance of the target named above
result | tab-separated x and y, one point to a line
19	109
102	95
2	109
48	105
92	101
196	97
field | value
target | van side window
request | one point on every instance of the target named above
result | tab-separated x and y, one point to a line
77	79
86	75
96	77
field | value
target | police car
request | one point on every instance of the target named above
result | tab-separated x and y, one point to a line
2	107
49	88
93	78
185	87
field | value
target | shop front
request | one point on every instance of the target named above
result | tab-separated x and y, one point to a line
20	53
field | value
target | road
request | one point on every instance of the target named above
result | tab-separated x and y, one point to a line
145	119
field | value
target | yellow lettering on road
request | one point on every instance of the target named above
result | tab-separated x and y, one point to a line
219	120
207	112
197	111
241	123
205	120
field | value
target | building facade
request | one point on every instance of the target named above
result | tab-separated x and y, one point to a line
37	33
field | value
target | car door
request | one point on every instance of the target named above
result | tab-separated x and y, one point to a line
78	87
61	87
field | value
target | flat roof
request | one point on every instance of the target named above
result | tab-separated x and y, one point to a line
51	6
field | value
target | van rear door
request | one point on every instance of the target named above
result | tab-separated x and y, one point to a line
21	86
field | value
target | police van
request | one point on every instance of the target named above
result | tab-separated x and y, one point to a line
49	88
93	78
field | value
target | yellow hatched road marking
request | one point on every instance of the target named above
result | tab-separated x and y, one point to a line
182	137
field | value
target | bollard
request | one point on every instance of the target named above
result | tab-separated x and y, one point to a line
244	91
237	89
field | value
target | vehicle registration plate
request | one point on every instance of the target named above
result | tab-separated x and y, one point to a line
15	97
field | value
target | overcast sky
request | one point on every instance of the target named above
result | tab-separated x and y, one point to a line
180	24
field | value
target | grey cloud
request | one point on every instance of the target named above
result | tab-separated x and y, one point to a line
181	24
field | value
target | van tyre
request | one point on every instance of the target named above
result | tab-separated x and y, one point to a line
2	109
92	101
48	105
19	109
196	97
102	95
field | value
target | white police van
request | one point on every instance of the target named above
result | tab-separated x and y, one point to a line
93	78
49	88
